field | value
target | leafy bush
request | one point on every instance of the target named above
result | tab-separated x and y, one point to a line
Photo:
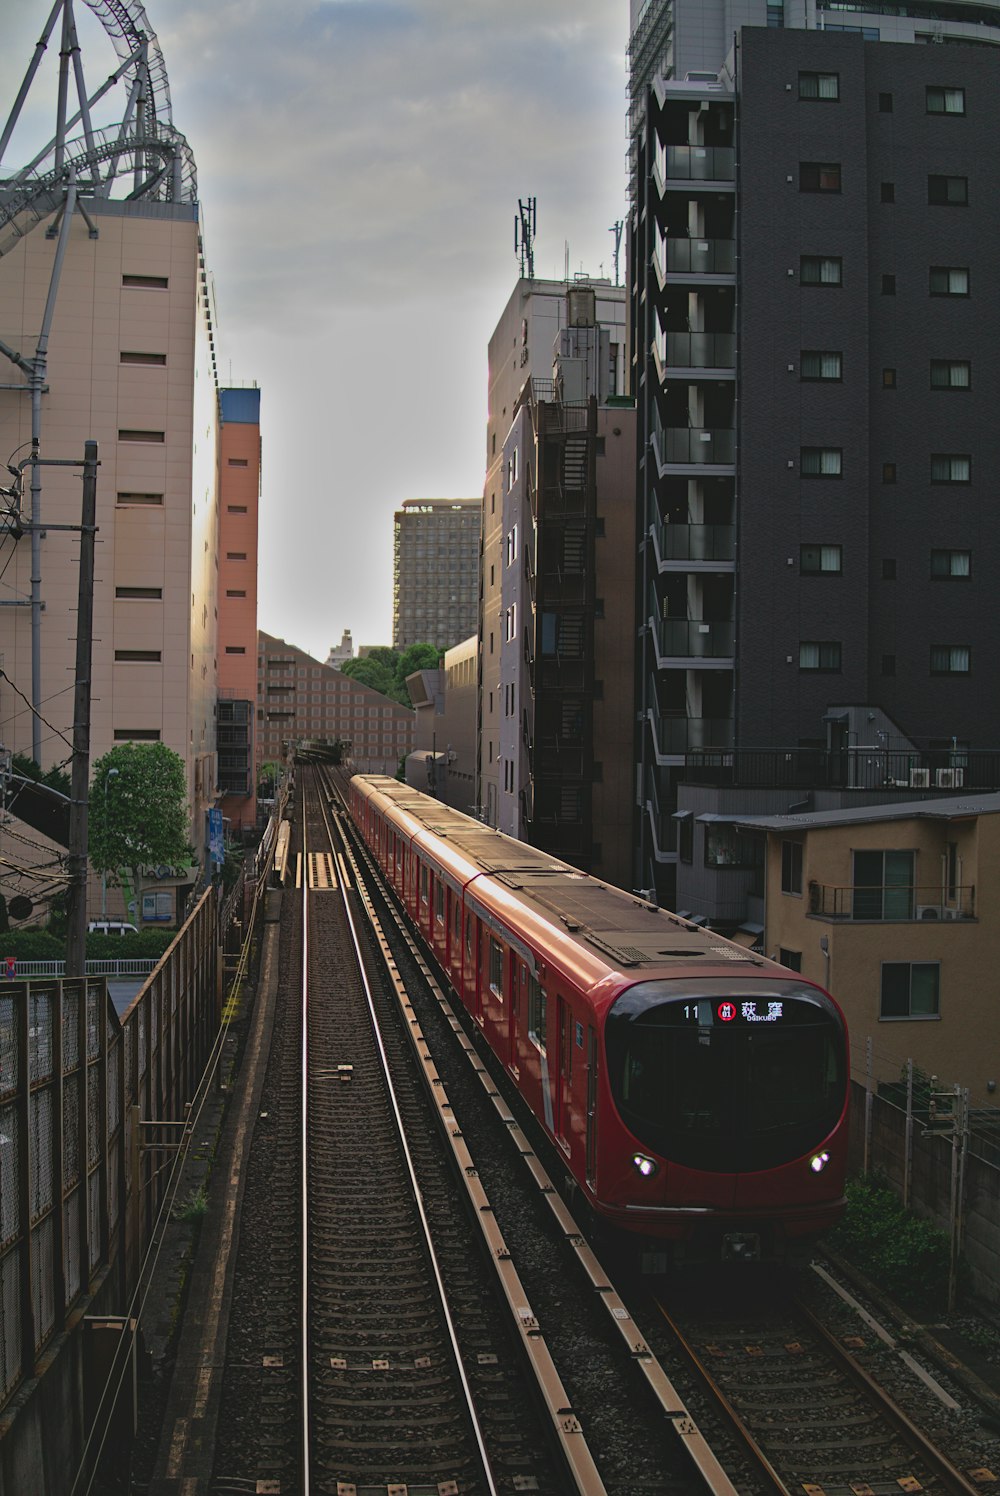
905	1255
40	945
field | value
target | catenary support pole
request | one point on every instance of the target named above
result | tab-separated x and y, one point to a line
76	937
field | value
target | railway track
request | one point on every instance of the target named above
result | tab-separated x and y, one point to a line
811	1417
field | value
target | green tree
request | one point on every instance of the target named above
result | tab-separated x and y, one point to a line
418	657
372	673
138	809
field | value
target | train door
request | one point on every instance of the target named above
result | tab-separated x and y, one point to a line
471	977
564	1080
591	1164
518	1009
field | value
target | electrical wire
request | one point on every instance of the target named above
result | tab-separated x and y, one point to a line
49	725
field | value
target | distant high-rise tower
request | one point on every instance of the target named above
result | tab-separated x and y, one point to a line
435	572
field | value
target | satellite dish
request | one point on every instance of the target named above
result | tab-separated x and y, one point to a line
19	907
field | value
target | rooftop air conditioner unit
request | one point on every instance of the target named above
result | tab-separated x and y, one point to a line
949	779
928	911
920	779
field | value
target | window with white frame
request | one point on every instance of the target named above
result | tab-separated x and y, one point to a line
945	100
821	270
815	365
824	87
820	560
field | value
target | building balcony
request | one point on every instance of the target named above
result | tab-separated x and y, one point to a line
700	256
694	543
682	640
675	165
854	768
690	446
891	904
674	736
678	352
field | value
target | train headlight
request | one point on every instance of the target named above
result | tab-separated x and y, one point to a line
818	1162
645	1165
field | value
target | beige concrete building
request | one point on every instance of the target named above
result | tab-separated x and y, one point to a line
239	498
893	909
301	700
131	365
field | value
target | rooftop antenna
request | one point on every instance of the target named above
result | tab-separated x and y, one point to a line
525	228
616	229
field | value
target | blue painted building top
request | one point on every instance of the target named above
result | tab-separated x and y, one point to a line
241	406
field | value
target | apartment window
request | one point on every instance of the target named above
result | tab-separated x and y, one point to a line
235	649
888	664
138	498
820	560
238	462
888	568
951	659
885	103
951	564
951	374
819	176
888	285
155	359
148	594
821	86
945	100
236	555
888	379
137	734
948	192
146	282
236	592
815	365
888	472
951	467
883	885
949	280
821	270
888	192
791	867
910	989
131	435
821	462
138	656
730	846
791	959
820	656
236	509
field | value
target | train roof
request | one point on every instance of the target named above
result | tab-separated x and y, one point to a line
629	933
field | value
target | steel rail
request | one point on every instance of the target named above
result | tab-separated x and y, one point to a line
304	1171
412	1172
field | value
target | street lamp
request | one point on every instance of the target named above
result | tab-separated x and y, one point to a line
104	873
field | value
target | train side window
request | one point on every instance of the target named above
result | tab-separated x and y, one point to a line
423	885
536	1013
468	937
456	921
439	902
496	968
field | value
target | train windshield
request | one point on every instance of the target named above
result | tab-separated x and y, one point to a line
722	1080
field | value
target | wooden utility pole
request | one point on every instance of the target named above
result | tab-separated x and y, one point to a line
76	934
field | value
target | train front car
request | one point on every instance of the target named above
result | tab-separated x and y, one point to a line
735	1094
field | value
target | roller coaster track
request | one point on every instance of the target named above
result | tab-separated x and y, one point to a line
145	143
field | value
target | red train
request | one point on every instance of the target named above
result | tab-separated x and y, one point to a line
697	1092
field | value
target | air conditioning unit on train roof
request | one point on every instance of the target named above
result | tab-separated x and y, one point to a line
920	779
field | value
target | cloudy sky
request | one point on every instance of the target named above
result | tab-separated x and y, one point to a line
360	164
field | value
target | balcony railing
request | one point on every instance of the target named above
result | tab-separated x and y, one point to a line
694	638
891	903
696	542
693	445
681	734
701	256
861	768
696	350
701	163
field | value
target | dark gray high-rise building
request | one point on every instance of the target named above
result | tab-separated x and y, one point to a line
816	364
435	575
